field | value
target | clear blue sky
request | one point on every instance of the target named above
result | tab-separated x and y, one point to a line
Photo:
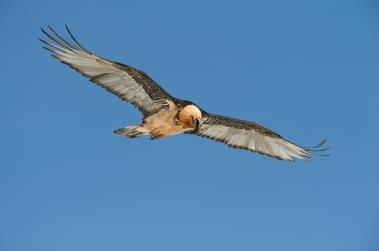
306	69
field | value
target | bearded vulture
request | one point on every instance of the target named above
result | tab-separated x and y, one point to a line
165	115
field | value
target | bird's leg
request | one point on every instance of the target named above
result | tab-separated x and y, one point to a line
157	134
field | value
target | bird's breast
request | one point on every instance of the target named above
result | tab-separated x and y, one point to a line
162	123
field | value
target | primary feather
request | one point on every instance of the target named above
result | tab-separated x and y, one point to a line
126	82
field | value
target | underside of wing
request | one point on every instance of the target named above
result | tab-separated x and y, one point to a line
251	136
126	82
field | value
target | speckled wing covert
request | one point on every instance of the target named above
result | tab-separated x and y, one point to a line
126	82
251	136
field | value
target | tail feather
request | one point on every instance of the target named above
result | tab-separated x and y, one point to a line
132	131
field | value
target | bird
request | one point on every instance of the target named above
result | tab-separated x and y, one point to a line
165	115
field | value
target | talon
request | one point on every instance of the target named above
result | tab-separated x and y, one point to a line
163	104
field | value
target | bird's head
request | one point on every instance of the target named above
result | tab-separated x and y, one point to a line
190	117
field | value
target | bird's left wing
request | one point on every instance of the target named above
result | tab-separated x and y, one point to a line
251	136
126	82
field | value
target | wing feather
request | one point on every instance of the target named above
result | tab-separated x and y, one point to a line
126	82
254	137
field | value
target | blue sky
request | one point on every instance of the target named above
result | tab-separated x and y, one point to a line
306	69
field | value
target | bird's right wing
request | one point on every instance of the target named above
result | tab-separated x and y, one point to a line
251	136
126	82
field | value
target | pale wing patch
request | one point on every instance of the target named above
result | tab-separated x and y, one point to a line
126	88
253	141
104	73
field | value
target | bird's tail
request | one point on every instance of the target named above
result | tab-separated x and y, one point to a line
132	131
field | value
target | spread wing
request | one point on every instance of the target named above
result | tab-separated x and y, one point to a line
251	136
126	82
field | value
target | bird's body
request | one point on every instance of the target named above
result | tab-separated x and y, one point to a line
163	124
165	115
166	122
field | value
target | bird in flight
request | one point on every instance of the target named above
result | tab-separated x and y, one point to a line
165	115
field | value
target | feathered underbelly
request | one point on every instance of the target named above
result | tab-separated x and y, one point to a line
162	123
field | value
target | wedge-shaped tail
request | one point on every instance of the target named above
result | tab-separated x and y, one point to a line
132	131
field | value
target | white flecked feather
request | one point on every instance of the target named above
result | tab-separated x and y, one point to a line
253	141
